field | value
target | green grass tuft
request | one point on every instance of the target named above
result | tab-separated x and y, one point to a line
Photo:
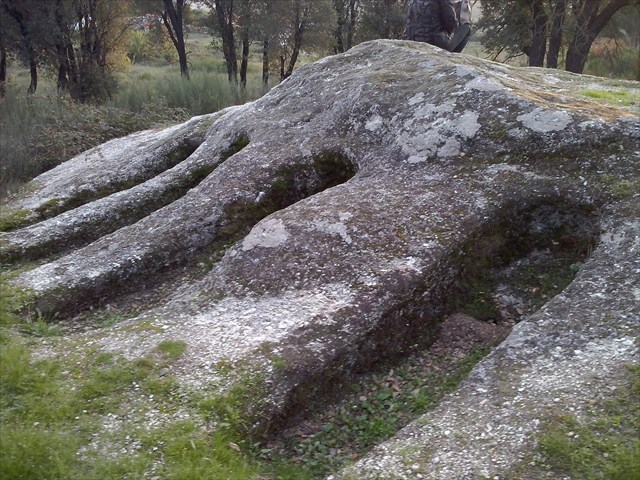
606	446
191	454
620	187
603	444
12	219
172	349
12	300
614	97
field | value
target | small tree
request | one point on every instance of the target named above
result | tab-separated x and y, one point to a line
301	22
98	32
28	18
173	19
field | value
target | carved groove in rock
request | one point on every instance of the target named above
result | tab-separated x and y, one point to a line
286	185
116	165
177	154
561	229
80	226
414	310
290	185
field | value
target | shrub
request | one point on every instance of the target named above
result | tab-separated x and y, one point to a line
38	132
207	91
613	60
138	48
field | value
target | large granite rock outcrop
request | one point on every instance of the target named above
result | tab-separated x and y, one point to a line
356	199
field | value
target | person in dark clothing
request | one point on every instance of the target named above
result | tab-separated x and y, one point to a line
431	21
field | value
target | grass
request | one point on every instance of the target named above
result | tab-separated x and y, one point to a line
172	349
86	414
32	446
206	91
10	220
38	132
603	444
52	409
614	97
95	415
11	300
620	188
377	407
38	327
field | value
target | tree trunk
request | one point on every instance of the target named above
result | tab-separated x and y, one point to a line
339	31
245	58
245	18
33	73
295	52
301	25
97	52
61	52
265	64
555	37
3	68
172	18
224	13
182	59
536	51
31	54
62	83
589	22
353	13
72	67
388	8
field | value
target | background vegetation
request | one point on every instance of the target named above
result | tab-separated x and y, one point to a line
561	33
40	130
74	74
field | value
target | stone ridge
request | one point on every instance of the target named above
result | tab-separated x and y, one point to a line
355	196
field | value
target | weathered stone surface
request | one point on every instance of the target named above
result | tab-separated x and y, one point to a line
361	190
559	360
105	188
112	166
